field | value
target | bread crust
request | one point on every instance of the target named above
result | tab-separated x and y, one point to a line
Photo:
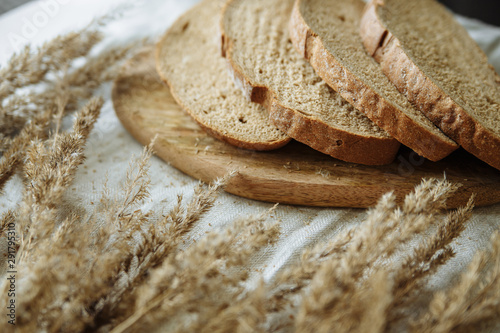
251	145
335	142
382	112
421	91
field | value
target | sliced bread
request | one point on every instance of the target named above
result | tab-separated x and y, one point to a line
258	48
326	32
431	59
188	59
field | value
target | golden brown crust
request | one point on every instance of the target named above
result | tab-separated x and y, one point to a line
335	142
251	145
421	91
383	113
339	144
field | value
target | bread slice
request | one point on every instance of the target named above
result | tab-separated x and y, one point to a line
431	58
188	59
256	43
326	32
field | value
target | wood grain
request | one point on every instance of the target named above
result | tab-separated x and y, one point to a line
294	174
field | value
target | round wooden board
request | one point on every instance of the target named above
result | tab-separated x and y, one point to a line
294	174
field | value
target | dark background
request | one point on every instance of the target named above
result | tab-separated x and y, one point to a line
6	5
486	10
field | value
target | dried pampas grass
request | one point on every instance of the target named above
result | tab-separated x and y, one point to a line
123	268
473	301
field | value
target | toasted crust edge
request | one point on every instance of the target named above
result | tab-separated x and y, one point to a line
312	132
363	97
422	92
260	146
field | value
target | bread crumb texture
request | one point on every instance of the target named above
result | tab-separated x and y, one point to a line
189	59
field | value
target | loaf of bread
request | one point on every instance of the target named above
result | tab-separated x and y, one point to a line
433	90
326	32
189	60
433	61
257	45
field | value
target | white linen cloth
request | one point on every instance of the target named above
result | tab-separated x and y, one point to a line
110	147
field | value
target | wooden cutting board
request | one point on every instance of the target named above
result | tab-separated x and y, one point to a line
295	174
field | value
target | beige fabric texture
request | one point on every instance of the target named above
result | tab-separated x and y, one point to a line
110	148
